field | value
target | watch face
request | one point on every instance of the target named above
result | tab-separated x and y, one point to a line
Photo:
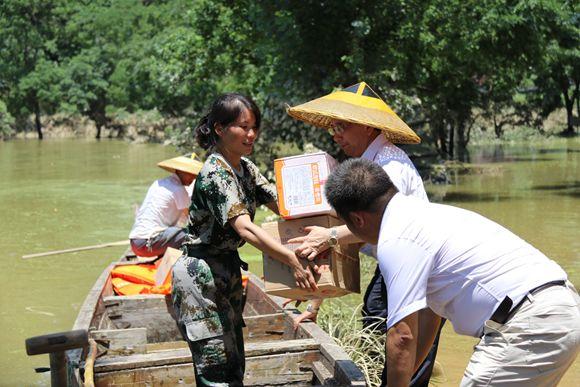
333	240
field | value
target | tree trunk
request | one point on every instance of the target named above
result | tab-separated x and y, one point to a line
497	127
98	136
577	97
451	142
37	119
569	103
442	139
462	141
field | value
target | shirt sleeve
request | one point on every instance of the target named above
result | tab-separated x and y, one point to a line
405	267
221	194
406	179
265	191
182	198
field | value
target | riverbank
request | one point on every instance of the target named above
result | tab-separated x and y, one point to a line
140	127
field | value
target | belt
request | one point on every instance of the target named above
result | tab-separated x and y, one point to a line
505	310
227	258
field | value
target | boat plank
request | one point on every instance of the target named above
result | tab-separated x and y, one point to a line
122	341
151	311
278	370
266	327
182	355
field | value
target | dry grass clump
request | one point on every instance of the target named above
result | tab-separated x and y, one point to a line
365	348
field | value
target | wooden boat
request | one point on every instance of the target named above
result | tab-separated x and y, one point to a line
143	346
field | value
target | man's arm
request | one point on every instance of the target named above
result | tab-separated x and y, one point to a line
306	315
317	240
429	324
402	350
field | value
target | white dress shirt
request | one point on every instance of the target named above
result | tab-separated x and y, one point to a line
401	171
456	262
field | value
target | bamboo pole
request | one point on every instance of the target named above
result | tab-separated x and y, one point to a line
110	244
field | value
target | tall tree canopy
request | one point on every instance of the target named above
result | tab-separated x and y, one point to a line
435	62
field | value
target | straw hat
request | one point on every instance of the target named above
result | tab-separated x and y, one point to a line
358	104
182	163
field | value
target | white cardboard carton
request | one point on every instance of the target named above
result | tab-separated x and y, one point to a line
300	183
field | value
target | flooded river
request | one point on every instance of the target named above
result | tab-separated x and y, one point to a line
67	193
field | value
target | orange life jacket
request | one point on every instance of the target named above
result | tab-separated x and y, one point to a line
138	279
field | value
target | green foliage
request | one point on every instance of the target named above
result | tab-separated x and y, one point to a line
435	62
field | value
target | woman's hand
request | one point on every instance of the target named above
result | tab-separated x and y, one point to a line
304	277
312	244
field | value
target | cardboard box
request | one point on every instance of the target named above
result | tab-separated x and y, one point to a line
300	184
341	277
165	264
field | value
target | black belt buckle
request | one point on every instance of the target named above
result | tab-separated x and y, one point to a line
502	312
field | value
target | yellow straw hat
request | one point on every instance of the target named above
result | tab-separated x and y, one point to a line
182	163
358	104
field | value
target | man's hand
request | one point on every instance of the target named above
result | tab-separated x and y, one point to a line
306	315
297	304
312	244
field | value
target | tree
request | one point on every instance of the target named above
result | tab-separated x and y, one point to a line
28	29
558	66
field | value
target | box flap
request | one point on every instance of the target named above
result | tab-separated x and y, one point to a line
169	258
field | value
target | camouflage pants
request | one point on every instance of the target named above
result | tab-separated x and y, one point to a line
207	298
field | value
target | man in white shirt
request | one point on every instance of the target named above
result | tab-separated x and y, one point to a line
363	126
442	261
163	214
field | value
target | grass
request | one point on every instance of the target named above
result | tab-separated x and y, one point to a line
365	347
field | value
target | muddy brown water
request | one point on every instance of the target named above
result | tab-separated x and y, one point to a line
60	194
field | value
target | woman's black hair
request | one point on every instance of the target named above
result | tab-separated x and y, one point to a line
225	111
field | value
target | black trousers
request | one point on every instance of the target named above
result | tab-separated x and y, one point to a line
375	309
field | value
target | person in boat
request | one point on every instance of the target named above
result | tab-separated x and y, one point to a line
207	287
364	126
161	219
443	261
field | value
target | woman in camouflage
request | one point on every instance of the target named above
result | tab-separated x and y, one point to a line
207	288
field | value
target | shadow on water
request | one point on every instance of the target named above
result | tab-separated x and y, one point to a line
466	197
571	189
559	150
558	187
517	159
574	194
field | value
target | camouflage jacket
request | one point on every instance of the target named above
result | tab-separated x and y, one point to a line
220	194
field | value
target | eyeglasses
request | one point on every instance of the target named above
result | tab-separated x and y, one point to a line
336	128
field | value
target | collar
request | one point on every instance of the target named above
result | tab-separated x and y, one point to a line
373	149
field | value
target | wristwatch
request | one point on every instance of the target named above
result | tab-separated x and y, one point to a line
311	309
333	239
